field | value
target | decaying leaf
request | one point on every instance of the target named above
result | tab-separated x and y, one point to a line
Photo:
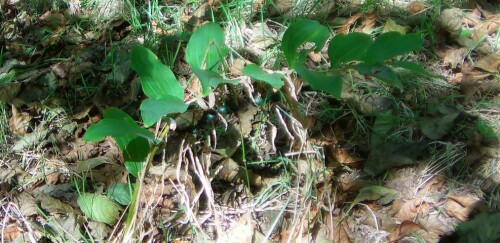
391	154
411	209
460	207
455	57
405	229
240	231
19	121
415	7
391	25
451	20
489	63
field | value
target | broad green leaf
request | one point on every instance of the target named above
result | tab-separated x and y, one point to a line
319	81
210	79
134	168
99	208
135	151
117	114
115	128
153	109
414	67
157	80
392	44
351	47
381	72
299	33
206	46
120	192
254	71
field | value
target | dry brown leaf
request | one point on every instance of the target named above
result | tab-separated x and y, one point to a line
19	121
315	57
436	225
405	229
11	232
456	79
460	207
415	7
451	20
348	23
493	27
489	63
368	23
240	231
342	233
344	157
409	210
455	57
432	186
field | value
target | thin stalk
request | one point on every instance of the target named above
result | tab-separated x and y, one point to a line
134	205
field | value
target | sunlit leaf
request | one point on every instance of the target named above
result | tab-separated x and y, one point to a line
206	46
255	72
120	192
153	109
99	208
210	79
351	47
114	128
299	33
392	44
157	80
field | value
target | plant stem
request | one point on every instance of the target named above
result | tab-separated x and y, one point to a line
134	205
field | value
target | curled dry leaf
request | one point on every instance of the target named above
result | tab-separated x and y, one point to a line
432	186
405	229
411	209
19	121
460	207
415	7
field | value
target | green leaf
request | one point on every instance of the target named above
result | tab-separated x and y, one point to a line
135	151
414	67
210	79
153	109
381	72
392	44
115	129
255	72
351	47
99	208
206	46
157	80
120	192
299	33
134	168
319	81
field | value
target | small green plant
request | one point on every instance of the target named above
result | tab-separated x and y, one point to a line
205	54
356	51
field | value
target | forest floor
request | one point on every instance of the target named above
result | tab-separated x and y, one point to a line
380	164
